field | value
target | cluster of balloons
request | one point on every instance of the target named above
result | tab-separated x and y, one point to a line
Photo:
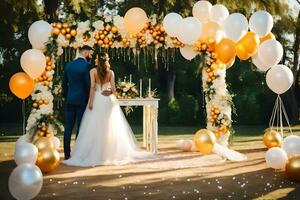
231	32
26	180
33	61
203	141
283	154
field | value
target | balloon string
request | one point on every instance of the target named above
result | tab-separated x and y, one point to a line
274	114
280	116
23	116
286	116
277	116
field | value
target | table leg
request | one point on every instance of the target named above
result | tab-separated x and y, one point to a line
144	127
154	131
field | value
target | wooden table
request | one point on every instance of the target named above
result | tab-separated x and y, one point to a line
150	115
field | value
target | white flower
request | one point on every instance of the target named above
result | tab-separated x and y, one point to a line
61	41
83	27
108	18
60	51
169	42
98	25
153	19
148	37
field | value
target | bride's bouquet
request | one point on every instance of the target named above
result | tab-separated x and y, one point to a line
126	90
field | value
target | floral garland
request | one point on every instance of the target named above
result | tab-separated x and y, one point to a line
217	97
109	32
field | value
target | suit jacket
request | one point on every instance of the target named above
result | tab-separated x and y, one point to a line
76	81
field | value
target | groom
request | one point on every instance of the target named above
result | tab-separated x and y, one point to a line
76	87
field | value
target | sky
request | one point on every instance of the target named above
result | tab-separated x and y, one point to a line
294	7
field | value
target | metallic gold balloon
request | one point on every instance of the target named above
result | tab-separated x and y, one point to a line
272	138
205	140
43	142
55	31
73	32
292	168
250	42
48	159
267	37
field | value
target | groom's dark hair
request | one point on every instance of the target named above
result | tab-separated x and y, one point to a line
85	47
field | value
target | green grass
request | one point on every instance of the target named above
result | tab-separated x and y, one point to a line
11	131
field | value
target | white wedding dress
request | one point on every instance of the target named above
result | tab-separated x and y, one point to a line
105	137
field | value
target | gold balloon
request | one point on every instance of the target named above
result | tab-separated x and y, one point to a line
48	159
205	140
43	143
114	29
292	168
63	31
250	42
242	53
272	138
226	50
68	36
267	37
59	25
65	25
73	32
230	63
55	31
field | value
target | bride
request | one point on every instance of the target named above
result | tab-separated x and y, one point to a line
105	137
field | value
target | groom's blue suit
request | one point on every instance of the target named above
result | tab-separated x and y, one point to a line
76	87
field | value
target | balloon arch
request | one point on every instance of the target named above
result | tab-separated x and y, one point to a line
212	33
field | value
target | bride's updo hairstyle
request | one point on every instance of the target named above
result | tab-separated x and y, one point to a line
102	66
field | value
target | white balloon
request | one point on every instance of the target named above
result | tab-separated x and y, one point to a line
22	139
261	23
218	13
259	64
202	10
276	158
56	142
190	30
33	62
270	52
279	79
187	145
291	145
39	33
179	143
188	52
235	26
25	153
25	181
171	22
